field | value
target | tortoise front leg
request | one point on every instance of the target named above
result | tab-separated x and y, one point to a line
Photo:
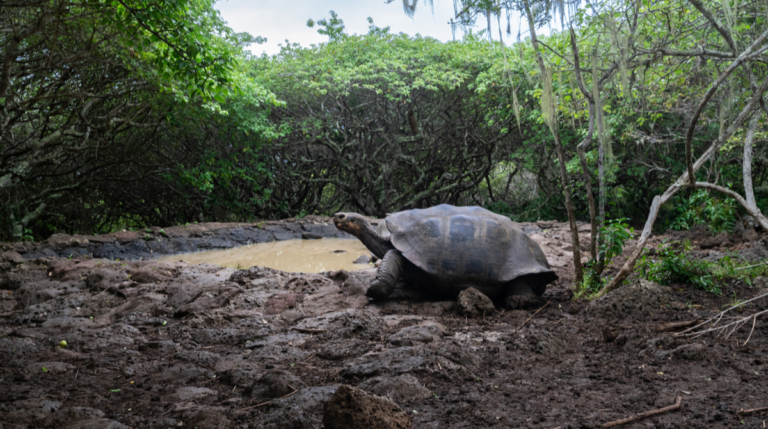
519	295
390	270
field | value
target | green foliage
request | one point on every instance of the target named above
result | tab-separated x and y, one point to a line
672	265
613	236
676	265
381	146
333	28
704	208
190	49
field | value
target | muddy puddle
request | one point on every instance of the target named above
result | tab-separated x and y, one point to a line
297	256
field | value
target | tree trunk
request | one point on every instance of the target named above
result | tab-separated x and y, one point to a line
582	147
578	271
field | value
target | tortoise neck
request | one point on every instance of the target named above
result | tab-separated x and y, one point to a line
374	242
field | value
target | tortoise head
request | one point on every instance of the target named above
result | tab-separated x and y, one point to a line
352	223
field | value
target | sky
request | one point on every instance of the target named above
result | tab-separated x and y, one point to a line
287	19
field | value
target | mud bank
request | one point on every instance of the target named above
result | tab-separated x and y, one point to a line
163	345
155	242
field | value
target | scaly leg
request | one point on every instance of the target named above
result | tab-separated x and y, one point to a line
389	272
520	296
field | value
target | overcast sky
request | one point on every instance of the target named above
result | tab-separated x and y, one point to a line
287	19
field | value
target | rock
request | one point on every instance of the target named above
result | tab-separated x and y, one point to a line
474	303
62	241
750	235
690	352
12	257
204	303
546	224
354	287
206	418
722	239
362	259
402	360
338	350
403	388
541	341
275	384
281	302
345	324
97	424
221	336
392	361
29	409
299	411
353	408
738	229
101	239
148	277
183	294
199	357
634	299
101	279
192	394
65	416
425	332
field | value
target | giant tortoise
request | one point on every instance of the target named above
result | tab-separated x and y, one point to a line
447	249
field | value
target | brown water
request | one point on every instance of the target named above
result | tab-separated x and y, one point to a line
298	256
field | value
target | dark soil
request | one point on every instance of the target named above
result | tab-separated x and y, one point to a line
166	345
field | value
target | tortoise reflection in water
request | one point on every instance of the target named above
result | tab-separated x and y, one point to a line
447	249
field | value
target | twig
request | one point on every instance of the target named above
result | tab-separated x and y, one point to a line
677	405
526	320
674	326
734	326
754	320
752	266
268	402
720	315
752	410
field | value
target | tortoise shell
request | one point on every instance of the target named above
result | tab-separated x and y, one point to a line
468	243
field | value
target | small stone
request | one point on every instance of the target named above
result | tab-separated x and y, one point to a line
750	235
474	303
425	332
362	259
690	352
353	408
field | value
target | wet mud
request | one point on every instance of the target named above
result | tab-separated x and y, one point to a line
91	342
294	256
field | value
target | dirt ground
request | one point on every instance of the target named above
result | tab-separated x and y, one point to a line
168	345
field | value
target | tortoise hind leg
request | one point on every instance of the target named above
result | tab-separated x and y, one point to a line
389	272
519	295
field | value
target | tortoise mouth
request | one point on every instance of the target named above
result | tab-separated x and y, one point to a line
344	222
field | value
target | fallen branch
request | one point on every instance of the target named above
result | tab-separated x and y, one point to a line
526	320
674	326
753	410
677	405
732	327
